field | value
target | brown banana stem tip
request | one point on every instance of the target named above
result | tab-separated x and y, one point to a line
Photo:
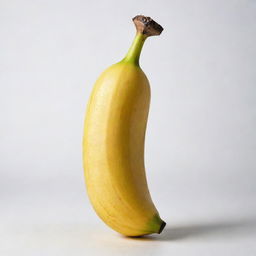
147	26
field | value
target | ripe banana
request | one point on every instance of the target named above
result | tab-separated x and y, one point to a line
113	142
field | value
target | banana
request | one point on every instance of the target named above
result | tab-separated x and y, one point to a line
113	142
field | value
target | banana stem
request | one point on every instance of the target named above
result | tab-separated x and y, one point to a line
145	27
133	54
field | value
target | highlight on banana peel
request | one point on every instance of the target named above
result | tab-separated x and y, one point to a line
113	142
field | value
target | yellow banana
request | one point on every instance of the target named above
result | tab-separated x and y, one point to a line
113	142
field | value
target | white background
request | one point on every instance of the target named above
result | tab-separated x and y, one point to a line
201	143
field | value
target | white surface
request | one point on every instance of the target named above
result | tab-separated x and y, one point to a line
201	141
52	225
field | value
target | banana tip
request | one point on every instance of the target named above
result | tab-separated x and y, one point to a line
162	227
